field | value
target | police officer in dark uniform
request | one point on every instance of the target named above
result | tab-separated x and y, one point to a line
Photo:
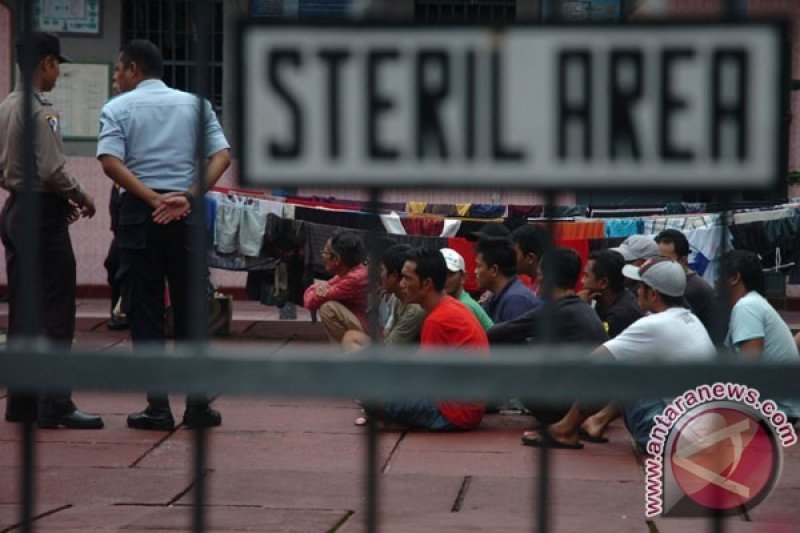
62	200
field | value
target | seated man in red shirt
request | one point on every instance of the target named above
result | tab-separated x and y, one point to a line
342	300
448	323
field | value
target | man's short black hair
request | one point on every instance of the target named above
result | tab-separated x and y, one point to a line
676	238
429	265
348	247
500	253
747	265
395	256
146	55
531	239
608	264
561	268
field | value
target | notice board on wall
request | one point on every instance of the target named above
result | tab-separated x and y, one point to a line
79	95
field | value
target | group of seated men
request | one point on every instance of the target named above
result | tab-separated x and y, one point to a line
636	300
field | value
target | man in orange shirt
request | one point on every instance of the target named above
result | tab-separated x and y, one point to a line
448	324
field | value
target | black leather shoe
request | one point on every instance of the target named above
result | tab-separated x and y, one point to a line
201	417
152	419
77	419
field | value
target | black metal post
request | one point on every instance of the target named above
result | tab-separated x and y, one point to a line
373	252
198	269
28	262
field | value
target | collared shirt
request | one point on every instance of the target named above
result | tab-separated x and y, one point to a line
153	131
50	160
512	301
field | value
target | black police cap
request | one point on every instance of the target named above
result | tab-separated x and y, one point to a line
43	44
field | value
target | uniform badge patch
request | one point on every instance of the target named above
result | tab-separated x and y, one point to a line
52	120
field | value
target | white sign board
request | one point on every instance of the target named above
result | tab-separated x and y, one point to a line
79	95
683	105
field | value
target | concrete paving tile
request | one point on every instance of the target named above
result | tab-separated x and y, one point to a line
225	519
300	330
178	518
510	459
480	440
90	322
442	523
731	525
314	490
512	463
780	507
283	489
519	495
68	454
319	417
489	521
115	431
10	514
318	452
100	517
60	486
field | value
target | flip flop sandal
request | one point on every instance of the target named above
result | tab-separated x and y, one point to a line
536	442
584	435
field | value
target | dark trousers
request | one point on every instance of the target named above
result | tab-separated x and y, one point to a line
149	254
111	263
55	279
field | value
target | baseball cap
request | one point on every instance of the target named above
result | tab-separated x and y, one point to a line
637	247
43	44
491	231
660	273
453	259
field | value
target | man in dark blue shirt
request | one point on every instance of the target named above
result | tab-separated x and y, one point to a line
496	267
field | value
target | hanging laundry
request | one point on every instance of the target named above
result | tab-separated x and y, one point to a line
226	228
451	227
487	211
706	247
416	207
623	227
445	210
392	224
525	211
417	225
462	210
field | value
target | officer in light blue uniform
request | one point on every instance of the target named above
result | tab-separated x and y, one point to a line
147	145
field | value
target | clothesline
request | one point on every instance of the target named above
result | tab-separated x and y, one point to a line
765	229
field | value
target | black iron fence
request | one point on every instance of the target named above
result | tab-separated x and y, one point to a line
541	374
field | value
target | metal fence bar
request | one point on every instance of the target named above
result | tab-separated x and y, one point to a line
372	486
28	448
27	297
198	306
543	484
553	373
199	465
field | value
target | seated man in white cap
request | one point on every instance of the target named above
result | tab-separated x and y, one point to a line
637	249
669	328
454	286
